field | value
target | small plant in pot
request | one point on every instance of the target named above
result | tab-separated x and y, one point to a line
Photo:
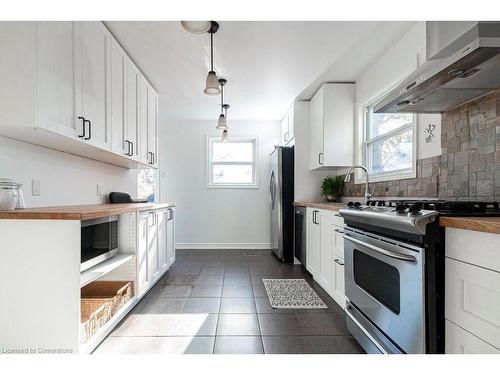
332	188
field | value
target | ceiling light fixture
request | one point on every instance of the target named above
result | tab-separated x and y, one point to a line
225	137
212	87
222	124
196	27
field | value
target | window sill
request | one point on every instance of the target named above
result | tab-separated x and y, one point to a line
232	186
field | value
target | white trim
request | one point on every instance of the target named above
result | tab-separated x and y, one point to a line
214	246
255	163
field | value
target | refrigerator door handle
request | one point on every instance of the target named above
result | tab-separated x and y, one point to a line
272	190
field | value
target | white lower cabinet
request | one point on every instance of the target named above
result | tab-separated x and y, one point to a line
156	246
325	253
459	341
472	292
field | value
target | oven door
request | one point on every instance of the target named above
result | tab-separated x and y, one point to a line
384	281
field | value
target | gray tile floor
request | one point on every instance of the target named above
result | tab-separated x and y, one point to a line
215	302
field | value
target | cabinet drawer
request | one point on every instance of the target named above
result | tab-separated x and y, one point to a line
461	244
337	219
338	241
473	300
459	341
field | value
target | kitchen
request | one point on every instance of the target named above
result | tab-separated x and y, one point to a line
160	196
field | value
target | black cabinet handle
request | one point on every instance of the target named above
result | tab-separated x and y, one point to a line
154	157
132	150
83	127
90	129
128	147
319	158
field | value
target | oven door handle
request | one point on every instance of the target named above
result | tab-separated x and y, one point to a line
392	254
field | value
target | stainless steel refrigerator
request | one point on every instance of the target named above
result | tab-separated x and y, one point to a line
281	202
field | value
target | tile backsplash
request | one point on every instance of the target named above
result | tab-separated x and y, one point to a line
469	165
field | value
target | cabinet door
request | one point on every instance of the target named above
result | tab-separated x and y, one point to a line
459	341
171	237
338	280
313	242
152	126
142	253
326	250
291	117
338	241
284	129
93	85
338	124
316	155
56	75
143	120
153	267
132	113
117	101
162	240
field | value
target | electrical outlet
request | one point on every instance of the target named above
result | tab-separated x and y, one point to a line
100	189
35	188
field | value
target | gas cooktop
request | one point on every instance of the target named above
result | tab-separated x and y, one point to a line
445	208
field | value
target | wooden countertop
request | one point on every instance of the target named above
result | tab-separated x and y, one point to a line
83	212
321	205
479	224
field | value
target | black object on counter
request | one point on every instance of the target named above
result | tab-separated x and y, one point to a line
117	197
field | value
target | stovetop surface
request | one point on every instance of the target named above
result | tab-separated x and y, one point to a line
445	208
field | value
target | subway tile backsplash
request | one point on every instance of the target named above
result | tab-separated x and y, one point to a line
469	165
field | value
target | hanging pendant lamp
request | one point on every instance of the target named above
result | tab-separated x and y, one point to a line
225	137
196	27
222	124
212	86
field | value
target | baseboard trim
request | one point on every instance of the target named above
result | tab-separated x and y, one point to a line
242	246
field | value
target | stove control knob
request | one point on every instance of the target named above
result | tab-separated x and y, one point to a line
400	208
357	205
350	204
414	209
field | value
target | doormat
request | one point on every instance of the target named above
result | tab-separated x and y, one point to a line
292	294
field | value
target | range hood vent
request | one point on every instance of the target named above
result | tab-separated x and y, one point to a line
463	64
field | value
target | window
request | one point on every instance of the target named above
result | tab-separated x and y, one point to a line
390	144
147	184
232	163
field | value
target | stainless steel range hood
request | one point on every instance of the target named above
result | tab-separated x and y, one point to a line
463	63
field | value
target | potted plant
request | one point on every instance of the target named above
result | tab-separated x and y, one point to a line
332	188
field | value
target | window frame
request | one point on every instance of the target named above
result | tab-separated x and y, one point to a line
255	164
399	174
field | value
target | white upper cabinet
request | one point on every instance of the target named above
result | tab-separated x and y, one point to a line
331	134
287	126
132	111
143	120
56	73
148	103
70	86
118	96
92	82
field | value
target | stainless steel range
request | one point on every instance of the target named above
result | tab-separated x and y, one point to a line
394	283
394	272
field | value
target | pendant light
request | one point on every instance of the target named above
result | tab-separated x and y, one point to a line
221	124
212	87
196	27
225	136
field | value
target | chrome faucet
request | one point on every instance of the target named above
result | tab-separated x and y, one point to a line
368	192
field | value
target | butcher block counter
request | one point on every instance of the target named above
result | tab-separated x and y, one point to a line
321	205
82	212
478	224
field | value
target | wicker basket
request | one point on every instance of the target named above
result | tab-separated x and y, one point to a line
101	300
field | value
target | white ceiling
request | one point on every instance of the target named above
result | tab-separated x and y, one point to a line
267	64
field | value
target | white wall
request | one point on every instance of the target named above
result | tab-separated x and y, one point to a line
65	179
214	218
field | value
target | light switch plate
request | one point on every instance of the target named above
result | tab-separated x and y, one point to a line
35	188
